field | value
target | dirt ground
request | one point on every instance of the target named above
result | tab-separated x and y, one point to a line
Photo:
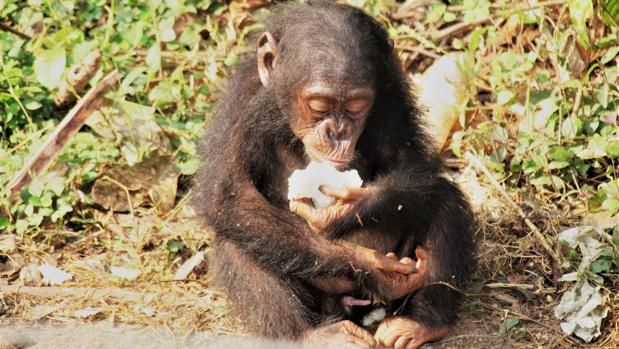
508	304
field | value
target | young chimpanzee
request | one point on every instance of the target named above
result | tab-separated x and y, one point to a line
325	85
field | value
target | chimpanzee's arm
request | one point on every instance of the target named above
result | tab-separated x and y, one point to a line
406	198
282	242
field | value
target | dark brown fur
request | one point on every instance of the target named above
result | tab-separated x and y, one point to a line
264	255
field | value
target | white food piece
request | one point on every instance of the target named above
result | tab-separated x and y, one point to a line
374	316
306	183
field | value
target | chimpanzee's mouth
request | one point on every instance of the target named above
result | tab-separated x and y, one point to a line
339	163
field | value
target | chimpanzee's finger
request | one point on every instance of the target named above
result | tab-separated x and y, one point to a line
401	342
302	209
414	344
336	193
407	260
391	256
364	336
421	253
394	266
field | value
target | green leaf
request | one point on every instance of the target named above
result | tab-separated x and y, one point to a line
613	149
4	222
35	220
174	245
541	181
555	165
601	265
595	148
611	205
609	55
435	13
21	226
231	59
571	127
56	185
476	38
449	17
580	12
534	15
560	154
508	324
189	167
36	187
601	94
61	211
33	105
504	96
611	10
49	66
166	29
153	58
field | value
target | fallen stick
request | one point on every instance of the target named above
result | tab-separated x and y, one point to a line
474	160
63	133
15	32
86	292
457	28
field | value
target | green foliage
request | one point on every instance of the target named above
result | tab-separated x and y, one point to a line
550	112
173	55
610	10
553	124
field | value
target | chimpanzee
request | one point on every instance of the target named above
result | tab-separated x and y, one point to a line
325	85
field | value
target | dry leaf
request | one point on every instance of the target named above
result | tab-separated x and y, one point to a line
41	311
442	89
30	275
87	312
125	273
189	265
53	276
582	309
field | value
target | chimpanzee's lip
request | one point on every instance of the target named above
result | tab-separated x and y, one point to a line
339	163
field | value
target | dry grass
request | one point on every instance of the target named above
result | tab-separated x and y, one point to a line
514	280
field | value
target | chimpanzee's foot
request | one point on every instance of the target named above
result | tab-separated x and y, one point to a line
343	334
403	333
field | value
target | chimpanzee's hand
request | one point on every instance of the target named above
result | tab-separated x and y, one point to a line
398	284
347	201
398	277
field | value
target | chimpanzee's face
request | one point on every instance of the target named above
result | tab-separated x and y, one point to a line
330	118
325	91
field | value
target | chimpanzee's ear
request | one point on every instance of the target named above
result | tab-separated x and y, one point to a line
267	55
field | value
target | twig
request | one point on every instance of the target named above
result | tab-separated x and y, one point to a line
519	7
63	133
85	292
407	9
419	50
577	101
472	159
457	28
14	31
508	285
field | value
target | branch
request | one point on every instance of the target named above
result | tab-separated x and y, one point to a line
16	32
63	133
